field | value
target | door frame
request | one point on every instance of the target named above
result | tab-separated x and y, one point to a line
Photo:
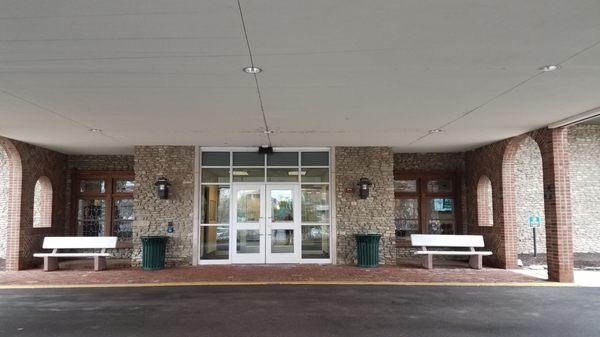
295	225
247	258
197	243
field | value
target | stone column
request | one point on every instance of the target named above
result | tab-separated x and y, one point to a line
372	215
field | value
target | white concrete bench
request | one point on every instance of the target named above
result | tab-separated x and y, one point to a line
455	241
77	242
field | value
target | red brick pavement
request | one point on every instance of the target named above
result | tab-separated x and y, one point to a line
74	272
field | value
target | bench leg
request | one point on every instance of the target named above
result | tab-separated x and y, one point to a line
99	263
428	261
476	261
50	263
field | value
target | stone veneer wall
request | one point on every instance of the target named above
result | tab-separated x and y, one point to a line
584	149
3	204
529	196
372	215
176	163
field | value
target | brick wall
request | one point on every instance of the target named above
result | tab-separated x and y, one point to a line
372	215
498	162
176	163
488	161
584	150
37	162
3	204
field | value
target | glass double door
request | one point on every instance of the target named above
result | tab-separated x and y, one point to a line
266	224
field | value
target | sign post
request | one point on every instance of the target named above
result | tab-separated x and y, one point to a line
535	222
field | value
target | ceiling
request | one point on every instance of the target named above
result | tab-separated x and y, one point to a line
336	72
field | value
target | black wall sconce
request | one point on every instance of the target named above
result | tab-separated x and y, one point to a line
162	188
363	187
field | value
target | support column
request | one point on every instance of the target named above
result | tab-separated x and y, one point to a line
557	203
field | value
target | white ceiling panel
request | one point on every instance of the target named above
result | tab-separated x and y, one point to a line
336	72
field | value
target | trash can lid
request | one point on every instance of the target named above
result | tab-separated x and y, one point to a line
368	234
153	237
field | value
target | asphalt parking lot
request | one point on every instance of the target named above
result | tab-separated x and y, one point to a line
298	310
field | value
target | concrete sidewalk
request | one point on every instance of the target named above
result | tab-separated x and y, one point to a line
583	278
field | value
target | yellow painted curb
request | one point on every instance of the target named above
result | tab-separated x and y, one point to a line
299	283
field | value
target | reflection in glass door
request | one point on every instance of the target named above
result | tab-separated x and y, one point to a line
248	239
283	225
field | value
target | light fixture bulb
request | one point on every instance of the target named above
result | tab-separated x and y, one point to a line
252	70
551	67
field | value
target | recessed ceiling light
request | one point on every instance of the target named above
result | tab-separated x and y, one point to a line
252	70
95	130
436	131
551	67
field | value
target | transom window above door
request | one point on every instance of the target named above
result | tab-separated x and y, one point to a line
254	167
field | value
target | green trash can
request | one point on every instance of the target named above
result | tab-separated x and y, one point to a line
153	252
367	250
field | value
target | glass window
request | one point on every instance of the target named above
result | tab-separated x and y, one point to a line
215	242
215	158
282	206
440	186
90	217
248	241
315	175
92	186
282	174
315	242
282	159
215	204
439	216
248	174
248	206
248	159
282	241
405	186
123	219
215	175
315	203
124	186
315	159
406	217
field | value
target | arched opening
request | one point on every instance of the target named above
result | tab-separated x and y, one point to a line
10	205
529	204
485	208
42	203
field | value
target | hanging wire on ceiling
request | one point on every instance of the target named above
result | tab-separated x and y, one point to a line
267	130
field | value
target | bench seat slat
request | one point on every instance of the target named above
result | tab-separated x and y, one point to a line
441	252
70	254
445	240
79	242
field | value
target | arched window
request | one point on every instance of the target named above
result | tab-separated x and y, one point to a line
485	209
42	203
